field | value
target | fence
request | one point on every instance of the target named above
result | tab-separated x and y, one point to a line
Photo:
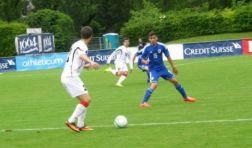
177	51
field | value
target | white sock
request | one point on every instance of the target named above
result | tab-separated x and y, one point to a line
77	112
81	119
121	79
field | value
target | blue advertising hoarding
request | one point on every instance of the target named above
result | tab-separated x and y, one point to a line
212	49
27	44
7	64
100	56
41	61
47	42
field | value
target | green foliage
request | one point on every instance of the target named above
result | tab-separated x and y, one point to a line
10	9
142	21
60	24
187	23
243	18
8	32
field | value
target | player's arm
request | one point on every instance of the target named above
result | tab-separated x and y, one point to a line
145	60
133	59
90	63
131	62
174	69
112	56
169	59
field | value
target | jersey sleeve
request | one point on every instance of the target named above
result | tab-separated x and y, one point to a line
112	56
131	63
166	51
81	51
145	54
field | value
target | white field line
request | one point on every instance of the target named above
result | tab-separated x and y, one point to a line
133	125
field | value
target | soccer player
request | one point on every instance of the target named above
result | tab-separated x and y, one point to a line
70	78
120	56
153	56
140	65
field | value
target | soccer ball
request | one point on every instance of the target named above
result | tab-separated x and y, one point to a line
120	121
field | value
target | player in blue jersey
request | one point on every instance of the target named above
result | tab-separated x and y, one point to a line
140	65
153	57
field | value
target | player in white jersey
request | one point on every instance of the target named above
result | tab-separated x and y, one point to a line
77	60
121	57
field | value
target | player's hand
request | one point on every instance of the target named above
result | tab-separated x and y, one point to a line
145	62
95	65
175	71
87	66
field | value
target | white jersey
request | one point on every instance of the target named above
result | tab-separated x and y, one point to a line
121	55
74	64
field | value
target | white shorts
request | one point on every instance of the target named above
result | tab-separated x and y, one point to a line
121	67
74	86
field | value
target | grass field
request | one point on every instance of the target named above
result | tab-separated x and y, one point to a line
216	37
34	106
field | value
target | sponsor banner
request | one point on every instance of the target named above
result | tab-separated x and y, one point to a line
7	64
99	56
41	61
212	49
27	44
47	42
247	46
176	51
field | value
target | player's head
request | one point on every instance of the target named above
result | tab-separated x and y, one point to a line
153	37
126	41
140	40
86	33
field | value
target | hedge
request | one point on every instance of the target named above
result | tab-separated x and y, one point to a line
8	32
186	23
60	24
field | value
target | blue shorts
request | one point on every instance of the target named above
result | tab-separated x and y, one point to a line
164	73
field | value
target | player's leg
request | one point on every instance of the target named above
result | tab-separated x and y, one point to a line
181	90
123	73
145	68
167	75
113	71
76	88
154	83
84	101
147	72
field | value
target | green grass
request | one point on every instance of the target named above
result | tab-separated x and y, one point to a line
222	86
207	38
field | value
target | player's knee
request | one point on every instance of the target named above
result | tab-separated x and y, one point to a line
125	73
85	103
154	86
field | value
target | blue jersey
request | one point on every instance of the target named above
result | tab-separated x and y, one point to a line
139	55
155	55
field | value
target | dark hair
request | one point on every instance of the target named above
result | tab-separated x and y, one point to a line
152	33
86	32
124	39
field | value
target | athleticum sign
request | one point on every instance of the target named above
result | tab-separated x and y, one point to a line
7	64
211	49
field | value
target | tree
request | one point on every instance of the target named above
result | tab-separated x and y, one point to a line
60	24
10	9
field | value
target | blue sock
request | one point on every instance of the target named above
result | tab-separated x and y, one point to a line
147	95
181	90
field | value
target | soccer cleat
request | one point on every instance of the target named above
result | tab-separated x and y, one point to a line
109	69
119	85
72	126
190	99
144	105
86	128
